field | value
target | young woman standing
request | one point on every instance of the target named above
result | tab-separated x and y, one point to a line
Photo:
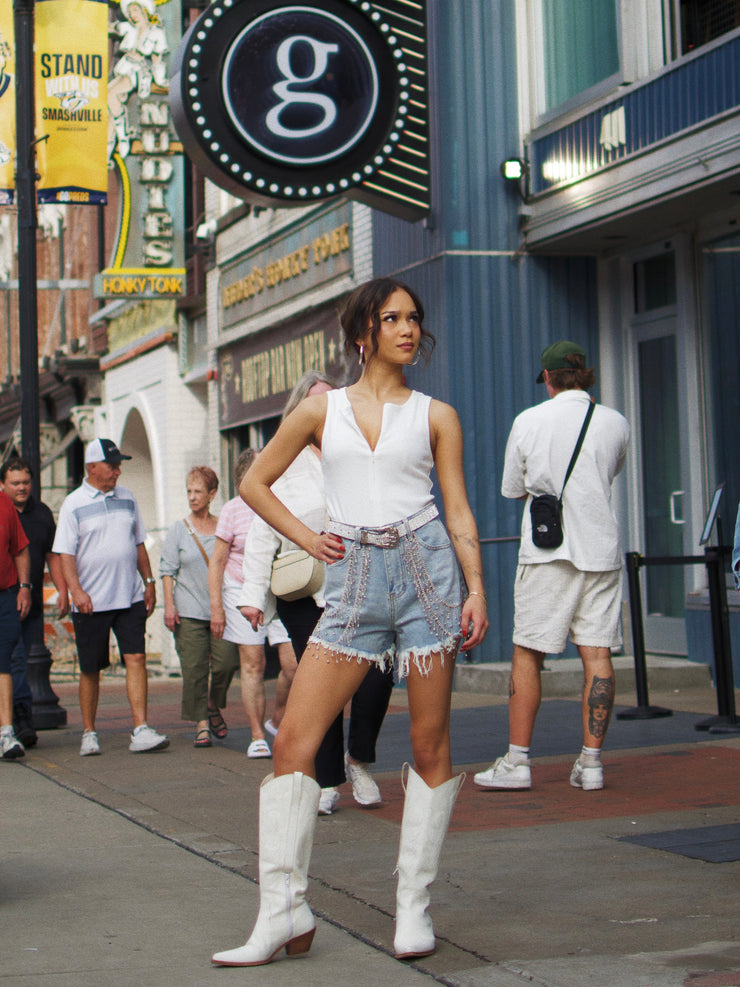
399	587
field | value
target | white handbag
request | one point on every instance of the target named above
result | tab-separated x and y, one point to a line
296	574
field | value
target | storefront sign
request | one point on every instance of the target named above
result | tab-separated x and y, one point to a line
257	374
307	257
288	103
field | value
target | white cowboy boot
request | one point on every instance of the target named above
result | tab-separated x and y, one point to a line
288	812
426	816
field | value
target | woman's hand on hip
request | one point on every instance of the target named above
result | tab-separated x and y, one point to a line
327	547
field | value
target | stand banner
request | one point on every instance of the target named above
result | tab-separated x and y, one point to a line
7	102
71	82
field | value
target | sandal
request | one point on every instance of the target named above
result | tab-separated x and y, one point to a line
218	724
202	738
259	748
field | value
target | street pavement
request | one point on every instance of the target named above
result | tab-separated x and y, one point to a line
132	869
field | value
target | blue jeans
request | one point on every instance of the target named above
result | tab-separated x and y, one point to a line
32	629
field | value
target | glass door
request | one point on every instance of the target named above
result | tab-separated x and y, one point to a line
661	429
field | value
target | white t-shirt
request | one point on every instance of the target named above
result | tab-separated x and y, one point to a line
102	531
539	448
371	488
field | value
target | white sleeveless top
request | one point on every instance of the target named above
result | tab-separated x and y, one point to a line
370	488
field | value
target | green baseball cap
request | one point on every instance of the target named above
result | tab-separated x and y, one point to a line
555	357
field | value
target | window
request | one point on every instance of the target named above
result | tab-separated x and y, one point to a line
697	22
578	47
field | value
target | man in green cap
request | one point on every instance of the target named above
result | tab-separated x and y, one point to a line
573	588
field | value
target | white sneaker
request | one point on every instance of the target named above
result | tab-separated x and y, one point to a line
89	744
504	774
589	778
11	747
327	801
364	788
144	738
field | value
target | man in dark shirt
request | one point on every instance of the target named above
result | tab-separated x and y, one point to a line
38	524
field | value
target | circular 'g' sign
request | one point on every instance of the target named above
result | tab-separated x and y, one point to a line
288	103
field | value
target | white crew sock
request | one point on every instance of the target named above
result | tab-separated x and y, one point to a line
517	755
590	756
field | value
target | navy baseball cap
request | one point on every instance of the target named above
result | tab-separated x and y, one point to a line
104	451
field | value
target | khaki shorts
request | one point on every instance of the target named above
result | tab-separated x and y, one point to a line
554	599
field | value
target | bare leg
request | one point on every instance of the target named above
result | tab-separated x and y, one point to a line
322	687
136	687
252	660
89	692
6	700
525	694
288	666
429	708
598	694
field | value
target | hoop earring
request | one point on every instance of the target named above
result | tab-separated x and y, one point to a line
362	355
416	358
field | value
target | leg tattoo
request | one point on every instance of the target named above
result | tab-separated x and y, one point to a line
600	704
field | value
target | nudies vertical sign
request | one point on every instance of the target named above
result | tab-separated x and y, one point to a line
145	155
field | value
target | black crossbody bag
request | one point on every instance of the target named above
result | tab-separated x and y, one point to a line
546	510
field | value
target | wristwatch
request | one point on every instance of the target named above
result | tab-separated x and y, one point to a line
149	580
25	586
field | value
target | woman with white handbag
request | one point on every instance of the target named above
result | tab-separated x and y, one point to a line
401	588
295	589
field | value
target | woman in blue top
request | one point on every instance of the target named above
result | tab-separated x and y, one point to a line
399	589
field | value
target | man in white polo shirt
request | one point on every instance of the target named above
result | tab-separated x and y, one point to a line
574	588
100	539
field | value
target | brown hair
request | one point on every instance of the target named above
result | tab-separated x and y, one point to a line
245	460
579	377
206	474
363	310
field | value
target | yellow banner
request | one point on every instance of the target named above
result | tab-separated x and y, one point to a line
7	102
71	100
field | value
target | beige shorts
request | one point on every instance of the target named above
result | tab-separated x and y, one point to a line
554	599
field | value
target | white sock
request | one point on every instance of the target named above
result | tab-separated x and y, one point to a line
517	755
6	731
590	756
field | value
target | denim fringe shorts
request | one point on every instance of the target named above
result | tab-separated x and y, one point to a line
400	604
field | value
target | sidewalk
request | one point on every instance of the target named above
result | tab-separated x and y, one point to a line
128	869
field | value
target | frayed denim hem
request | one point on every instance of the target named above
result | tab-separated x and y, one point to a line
400	660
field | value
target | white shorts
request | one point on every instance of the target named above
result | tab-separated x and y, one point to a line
239	630
553	599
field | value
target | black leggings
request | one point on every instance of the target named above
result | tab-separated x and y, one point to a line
369	703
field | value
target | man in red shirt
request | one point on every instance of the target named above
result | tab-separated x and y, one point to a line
15	602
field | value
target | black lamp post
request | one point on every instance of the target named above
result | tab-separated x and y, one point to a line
47	713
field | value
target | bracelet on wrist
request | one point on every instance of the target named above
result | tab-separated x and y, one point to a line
481	595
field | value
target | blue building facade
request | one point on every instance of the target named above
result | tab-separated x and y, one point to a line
621	235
